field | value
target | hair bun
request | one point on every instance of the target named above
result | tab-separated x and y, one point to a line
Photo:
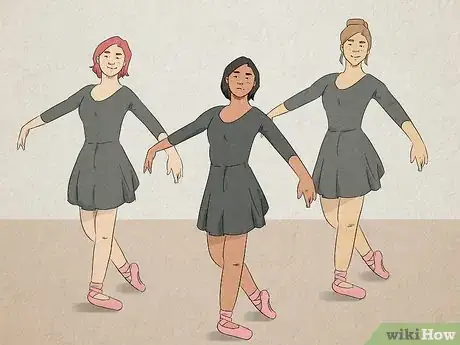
357	21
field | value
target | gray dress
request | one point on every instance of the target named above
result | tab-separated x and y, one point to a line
347	164
103	177
233	202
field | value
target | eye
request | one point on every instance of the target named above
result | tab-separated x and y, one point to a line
235	76
106	56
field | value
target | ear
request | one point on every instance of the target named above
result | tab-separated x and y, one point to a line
226	80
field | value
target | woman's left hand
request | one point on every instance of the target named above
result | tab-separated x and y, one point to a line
307	189
419	154
174	166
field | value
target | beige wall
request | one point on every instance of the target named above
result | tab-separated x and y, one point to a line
179	51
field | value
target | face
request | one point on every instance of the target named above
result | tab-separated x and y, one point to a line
112	60
241	81
355	49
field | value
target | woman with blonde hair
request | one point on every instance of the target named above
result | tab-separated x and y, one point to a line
348	167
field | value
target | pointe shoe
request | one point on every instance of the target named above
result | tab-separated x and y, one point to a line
352	291
261	300
237	331
131	273
374	259
107	302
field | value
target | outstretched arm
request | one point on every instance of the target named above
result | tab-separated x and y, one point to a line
394	109
149	120
282	146
57	111
303	97
188	131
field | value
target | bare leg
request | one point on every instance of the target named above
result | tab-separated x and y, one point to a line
348	220
104	229
88	223
234	249
216	252
260	299
374	259
331	214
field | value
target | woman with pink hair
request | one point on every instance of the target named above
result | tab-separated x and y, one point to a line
103	178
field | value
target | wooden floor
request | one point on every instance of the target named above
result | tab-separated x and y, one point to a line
46	267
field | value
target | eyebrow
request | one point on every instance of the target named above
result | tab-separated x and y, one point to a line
362	42
351	40
118	54
107	52
248	73
236	71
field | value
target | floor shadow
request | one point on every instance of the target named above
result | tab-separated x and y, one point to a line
89	308
216	336
255	316
126	288
330	296
370	277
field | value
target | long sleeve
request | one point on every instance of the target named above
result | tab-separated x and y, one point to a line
145	116
65	107
389	103
194	128
276	138
308	95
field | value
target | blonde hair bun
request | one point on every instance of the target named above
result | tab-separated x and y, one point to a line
356	21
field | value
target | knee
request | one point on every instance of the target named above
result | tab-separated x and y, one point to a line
236	264
349	225
103	238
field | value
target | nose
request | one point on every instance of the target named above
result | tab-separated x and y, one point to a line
111	63
239	82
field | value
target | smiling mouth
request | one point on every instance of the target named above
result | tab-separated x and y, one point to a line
355	57
111	67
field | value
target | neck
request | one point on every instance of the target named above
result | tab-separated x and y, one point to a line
110	81
239	102
353	70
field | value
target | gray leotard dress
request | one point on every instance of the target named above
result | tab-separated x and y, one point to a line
347	164
103	177
233	202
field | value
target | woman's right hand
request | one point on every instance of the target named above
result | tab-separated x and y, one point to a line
21	143
151	153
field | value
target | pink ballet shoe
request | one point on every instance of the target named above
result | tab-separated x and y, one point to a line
374	259
106	303
352	291
227	327
131	273
261	300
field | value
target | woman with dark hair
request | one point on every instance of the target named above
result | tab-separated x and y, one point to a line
233	203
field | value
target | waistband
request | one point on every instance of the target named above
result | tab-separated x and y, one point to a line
229	165
92	142
334	130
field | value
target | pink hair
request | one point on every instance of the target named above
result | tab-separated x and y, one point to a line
96	68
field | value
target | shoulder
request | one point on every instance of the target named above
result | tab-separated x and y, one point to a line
329	78
214	110
257	112
128	91
86	88
377	83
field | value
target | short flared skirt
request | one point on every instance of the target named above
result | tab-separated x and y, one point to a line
233	202
347	166
102	178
